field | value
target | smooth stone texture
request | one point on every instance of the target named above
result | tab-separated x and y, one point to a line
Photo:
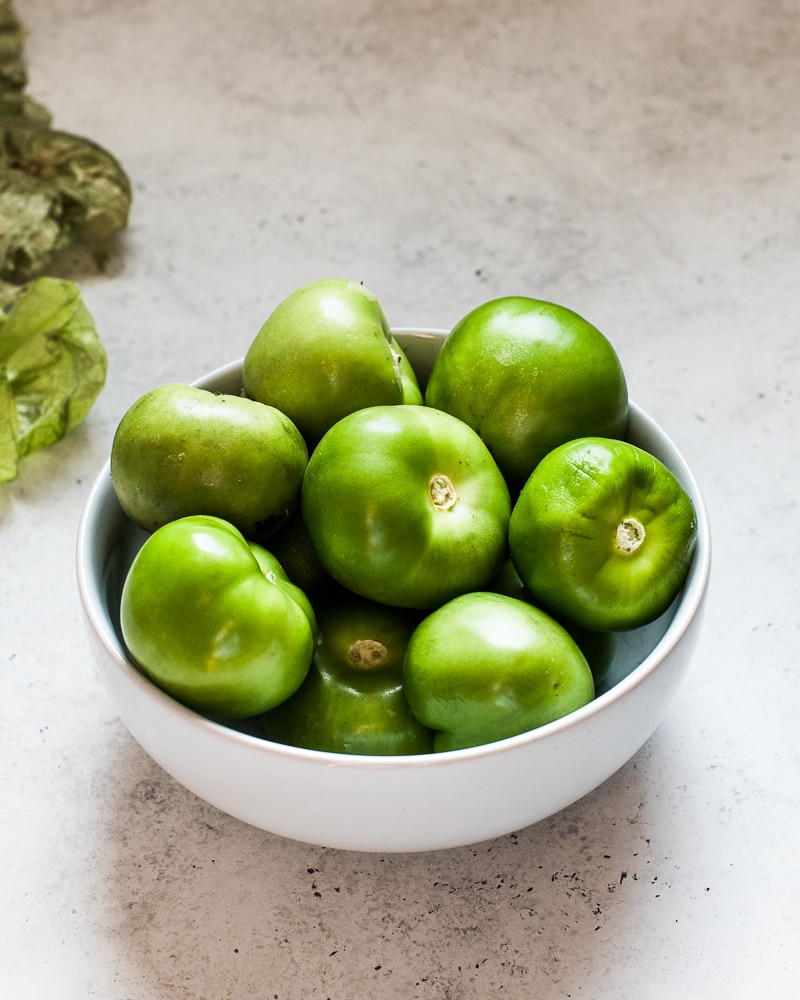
637	163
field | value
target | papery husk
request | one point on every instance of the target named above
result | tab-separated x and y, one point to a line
13	72
52	367
56	189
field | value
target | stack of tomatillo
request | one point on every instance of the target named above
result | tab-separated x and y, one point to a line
373	566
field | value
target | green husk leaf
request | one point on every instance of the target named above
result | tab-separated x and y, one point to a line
9	432
52	367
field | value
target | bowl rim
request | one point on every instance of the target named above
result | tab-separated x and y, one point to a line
689	604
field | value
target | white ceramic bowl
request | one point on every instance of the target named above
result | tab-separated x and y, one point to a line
392	804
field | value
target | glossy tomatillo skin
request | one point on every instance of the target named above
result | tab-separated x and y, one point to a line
529	375
207	625
599	648
325	351
272	569
352	700
486	666
405	506
180	450
602	534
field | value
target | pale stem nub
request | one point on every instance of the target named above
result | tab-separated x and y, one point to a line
367	653
630	535
442	492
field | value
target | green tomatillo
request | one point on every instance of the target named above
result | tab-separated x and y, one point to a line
486	666
325	351
529	375
274	571
213	621
602	534
352	700
404	505
180	450
599	648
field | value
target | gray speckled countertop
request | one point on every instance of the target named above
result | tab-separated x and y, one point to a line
638	162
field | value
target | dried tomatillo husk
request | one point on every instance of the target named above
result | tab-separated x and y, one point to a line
52	367
56	189
14	104
33	225
13	73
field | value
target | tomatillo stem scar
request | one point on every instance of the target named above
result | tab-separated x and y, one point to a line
442	492
367	653
630	535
